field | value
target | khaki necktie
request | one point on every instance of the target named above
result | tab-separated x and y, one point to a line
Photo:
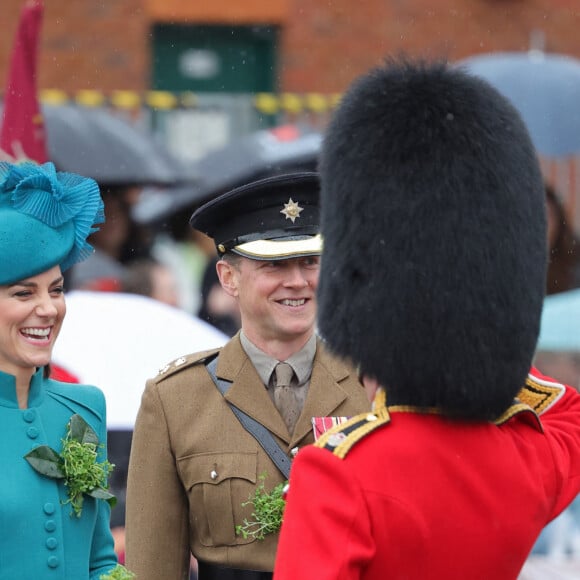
285	397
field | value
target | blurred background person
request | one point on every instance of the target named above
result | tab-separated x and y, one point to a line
563	245
217	306
148	277
187	253
104	270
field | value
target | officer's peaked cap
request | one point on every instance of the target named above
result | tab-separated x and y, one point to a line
273	218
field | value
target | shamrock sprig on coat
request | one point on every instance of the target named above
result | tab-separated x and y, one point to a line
76	464
119	572
267	513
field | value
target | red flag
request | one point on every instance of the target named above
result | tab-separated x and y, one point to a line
22	134
60	374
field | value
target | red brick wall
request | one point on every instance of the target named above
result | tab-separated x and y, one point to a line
328	43
86	44
105	45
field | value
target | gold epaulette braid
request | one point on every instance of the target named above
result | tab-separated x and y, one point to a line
341	438
533	399
540	395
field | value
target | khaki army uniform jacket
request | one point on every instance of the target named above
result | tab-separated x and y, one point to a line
193	464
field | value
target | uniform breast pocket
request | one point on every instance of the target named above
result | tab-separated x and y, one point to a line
217	484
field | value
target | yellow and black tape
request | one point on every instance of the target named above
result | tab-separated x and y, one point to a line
265	103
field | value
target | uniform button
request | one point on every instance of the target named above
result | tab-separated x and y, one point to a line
51	543
52	561
32	432
29	415
48	508
213	474
50	525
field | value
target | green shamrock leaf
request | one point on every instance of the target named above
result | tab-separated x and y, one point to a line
46	461
81	431
100	493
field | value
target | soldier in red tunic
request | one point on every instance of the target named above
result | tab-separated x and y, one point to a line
432	282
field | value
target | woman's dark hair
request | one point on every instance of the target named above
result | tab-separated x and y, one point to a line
564	251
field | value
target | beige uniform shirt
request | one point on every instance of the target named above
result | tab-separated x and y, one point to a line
301	363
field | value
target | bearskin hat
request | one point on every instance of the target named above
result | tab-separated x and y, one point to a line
433	220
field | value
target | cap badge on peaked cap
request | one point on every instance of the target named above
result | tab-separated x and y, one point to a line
262	221
291	210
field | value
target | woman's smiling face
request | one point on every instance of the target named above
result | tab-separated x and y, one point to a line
31	315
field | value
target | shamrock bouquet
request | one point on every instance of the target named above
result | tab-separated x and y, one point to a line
76	464
119	572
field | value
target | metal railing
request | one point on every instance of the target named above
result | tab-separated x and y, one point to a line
192	125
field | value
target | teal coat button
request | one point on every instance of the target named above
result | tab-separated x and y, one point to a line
48	508
29	415
32	432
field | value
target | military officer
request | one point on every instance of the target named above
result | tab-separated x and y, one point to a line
194	461
432	283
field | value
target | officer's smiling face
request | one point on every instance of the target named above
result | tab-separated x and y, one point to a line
277	299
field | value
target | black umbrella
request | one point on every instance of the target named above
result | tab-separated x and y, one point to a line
253	156
96	143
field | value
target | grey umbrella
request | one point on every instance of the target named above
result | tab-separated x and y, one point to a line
96	143
288	147
259	154
545	88
558	350
561	322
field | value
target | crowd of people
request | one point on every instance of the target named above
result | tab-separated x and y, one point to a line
376	408
157	260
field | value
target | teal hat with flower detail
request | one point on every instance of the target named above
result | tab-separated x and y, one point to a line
45	219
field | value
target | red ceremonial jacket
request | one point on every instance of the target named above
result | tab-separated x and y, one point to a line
402	494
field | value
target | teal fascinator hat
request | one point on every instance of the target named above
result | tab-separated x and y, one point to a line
45	219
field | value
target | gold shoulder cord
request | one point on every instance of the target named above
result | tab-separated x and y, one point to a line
535	397
341	438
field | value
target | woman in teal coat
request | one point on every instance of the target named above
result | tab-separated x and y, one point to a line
54	514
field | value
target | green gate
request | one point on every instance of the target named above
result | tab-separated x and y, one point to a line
233	59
